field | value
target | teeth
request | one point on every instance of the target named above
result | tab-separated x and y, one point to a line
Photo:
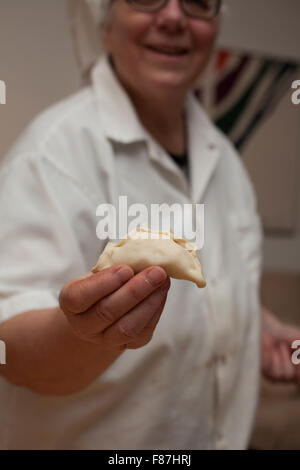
170	52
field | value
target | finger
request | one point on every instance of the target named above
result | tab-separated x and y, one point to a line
81	293
131	325
275	366
111	308
289	333
266	349
288	370
155	319
134	292
147	333
297	375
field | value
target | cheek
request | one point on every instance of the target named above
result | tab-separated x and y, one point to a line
127	40
204	35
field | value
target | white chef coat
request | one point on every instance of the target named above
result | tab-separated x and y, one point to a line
195	385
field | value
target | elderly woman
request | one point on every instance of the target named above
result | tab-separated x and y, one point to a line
119	360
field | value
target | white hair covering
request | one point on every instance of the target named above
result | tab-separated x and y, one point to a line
87	19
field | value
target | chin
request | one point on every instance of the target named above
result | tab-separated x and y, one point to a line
167	79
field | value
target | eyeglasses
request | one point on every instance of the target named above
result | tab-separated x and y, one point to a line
200	9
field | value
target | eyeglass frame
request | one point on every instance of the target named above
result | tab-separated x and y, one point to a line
181	4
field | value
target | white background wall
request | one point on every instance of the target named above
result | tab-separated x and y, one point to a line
37	64
264	26
36	61
269	27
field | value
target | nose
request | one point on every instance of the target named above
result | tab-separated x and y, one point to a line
171	16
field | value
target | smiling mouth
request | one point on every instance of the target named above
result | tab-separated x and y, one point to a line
170	53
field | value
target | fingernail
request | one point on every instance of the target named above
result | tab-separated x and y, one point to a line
156	276
124	273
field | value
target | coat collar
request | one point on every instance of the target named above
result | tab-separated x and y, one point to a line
118	117
121	123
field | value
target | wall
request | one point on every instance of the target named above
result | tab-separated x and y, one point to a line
36	61
264	26
269	27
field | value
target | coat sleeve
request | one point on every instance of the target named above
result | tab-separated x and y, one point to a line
46	224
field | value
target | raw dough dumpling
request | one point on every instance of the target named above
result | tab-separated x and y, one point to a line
143	248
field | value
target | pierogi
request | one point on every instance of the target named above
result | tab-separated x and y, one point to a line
143	247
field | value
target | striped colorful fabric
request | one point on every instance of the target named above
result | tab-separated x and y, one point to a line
239	92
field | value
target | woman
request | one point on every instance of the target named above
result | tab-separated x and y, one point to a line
116	360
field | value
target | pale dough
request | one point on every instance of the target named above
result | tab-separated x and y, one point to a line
143	248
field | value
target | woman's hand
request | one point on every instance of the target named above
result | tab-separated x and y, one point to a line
115	307
108	311
277	340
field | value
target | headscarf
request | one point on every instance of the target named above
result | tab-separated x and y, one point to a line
87	19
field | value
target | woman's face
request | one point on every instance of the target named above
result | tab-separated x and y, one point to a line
132	34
